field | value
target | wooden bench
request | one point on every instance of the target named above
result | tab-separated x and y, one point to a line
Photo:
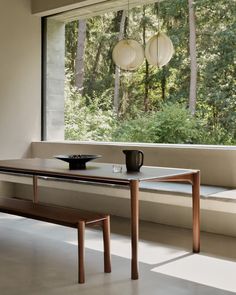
67	217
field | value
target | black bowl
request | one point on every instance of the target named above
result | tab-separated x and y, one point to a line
77	161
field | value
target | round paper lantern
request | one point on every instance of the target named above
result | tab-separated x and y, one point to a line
159	50
128	54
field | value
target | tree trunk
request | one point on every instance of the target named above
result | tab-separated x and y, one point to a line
146	88
95	66
79	62
116	101
146	80
163	85
193	59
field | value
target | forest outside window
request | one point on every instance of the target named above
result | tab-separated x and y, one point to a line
88	98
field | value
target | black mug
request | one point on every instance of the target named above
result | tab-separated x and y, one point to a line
134	159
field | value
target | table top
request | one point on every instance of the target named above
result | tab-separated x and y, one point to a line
101	172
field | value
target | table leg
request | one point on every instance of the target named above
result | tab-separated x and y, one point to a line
134	194
196	212
35	188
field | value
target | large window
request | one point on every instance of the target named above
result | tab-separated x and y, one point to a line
89	98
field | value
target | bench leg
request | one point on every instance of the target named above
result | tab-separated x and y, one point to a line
81	229
106	243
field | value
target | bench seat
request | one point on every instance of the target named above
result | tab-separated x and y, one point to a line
49	213
164	188
206	191
67	217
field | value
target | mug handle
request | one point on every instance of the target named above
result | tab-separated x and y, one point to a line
142	157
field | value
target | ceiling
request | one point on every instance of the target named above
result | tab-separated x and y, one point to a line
91	8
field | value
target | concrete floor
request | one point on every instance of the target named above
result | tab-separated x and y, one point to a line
41	258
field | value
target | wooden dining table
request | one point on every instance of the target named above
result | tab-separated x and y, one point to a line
103	173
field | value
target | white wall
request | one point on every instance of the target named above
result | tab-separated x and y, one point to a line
20	81
20	78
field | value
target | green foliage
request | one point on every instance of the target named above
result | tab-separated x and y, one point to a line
166	118
136	130
217	71
85	120
172	124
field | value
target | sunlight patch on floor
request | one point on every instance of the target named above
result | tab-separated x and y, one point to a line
149	253
206	270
